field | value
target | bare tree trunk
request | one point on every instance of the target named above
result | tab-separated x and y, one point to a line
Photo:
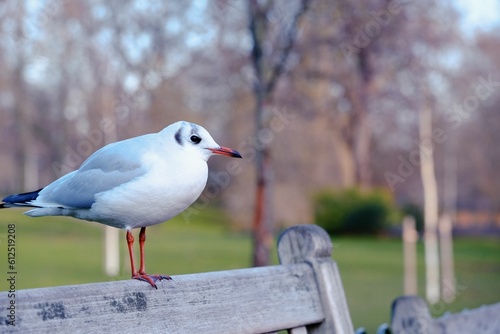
346	160
27	155
26	159
20	141
263	205
265	82
362	132
262	223
430	204
362	150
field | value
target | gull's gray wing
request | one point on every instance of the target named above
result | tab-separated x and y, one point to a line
109	167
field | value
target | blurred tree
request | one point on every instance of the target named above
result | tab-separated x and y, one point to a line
267	72
431	203
351	82
475	119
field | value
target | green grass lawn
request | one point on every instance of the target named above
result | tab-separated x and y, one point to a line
63	251
372	274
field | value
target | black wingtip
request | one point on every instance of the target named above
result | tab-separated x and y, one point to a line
21	198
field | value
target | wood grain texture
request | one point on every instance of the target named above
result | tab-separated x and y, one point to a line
254	300
303	242
312	245
485	320
410	315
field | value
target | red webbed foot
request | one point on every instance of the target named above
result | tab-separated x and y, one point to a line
150	278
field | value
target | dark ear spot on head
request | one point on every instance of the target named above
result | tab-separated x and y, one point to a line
178	137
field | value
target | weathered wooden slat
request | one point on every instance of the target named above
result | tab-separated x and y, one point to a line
485	320
410	315
312	245
256	300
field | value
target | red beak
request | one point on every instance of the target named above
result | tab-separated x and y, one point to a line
226	151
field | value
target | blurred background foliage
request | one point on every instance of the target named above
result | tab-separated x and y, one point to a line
355	212
76	75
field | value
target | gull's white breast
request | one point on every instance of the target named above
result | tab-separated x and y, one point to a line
169	186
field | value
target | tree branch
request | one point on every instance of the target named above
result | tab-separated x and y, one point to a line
279	67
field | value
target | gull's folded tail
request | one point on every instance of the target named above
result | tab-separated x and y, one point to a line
23	199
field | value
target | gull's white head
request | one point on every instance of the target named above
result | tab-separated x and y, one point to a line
194	138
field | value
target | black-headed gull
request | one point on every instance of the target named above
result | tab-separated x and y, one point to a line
132	183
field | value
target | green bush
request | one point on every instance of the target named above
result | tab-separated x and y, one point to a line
416	211
353	211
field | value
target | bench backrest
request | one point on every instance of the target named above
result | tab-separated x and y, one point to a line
410	315
304	295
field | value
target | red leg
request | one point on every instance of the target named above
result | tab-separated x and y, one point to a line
142	241
141	274
130	243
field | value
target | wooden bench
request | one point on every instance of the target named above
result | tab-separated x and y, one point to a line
303	294
410	315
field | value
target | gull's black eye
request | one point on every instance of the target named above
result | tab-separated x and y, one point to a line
195	139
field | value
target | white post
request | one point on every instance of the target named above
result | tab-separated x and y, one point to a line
111	251
410	237
430	205
448	289
111	234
